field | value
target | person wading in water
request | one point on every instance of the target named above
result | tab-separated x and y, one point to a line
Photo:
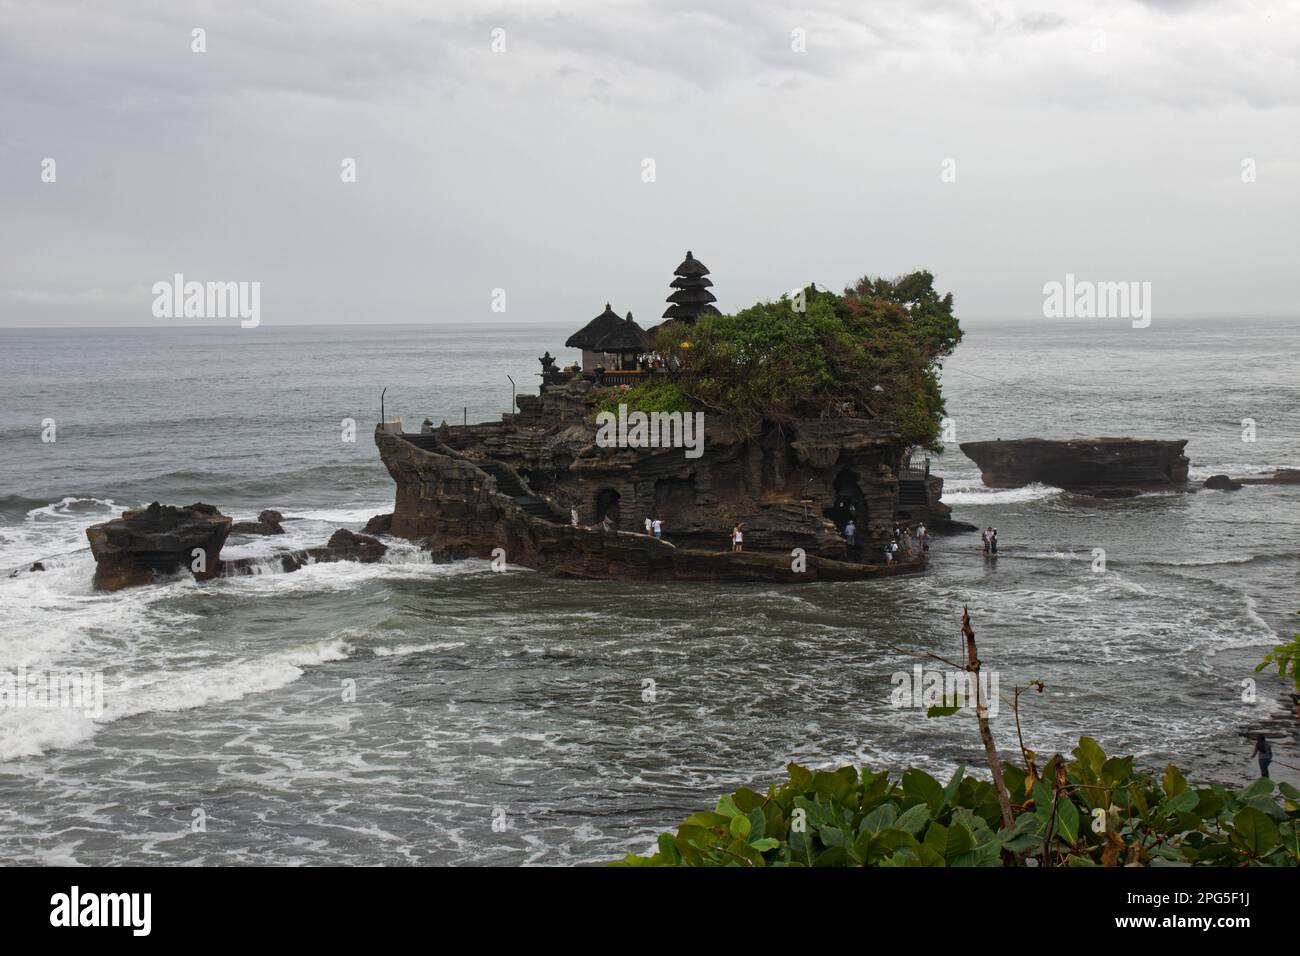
1264	752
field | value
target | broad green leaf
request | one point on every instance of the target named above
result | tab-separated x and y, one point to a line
960	841
954	785
835	856
919	786
1254	832
1067	820
1090	753
879	818
913	821
1183	802
706	819
1174	782
833	836
1116	771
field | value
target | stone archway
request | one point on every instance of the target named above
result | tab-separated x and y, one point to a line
849	502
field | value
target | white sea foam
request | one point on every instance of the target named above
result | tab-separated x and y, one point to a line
975	493
51	530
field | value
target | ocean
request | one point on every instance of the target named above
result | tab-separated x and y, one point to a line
414	713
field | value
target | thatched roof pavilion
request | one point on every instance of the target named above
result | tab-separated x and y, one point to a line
626	337
591	333
627	341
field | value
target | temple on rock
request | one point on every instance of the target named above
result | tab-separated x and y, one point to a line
539	485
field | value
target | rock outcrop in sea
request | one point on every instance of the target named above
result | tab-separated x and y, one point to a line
1099	466
160	539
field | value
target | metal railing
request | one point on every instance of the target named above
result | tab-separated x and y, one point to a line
624	377
914	469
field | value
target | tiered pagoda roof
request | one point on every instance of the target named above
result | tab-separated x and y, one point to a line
691	297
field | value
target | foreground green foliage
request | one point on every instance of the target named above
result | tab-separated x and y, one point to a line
873	352
1089	811
1286	657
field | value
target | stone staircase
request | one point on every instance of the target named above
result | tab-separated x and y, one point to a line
507	483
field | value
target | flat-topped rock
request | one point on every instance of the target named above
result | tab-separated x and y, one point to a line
1283	476
160	539
1087	464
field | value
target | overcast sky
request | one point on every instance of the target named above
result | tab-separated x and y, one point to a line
1104	139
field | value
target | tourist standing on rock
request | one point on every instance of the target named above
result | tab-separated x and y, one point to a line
573	516
1265	753
738	538
850	530
649	526
657	527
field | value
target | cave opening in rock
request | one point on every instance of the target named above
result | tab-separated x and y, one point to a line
607	500
849	502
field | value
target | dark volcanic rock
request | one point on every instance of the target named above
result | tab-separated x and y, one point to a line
1093	465
1283	476
268	522
160	539
462	510
1222	483
345	545
379	524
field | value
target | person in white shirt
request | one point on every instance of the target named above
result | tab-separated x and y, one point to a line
573	516
657	527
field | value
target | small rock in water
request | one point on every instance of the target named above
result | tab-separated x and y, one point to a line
1221	483
345	545
268	522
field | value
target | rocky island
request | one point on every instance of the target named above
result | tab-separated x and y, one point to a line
1098	466
795	422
